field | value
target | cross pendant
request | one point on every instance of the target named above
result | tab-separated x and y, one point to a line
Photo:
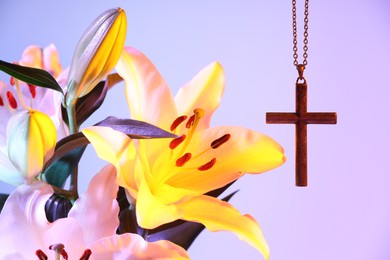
301	118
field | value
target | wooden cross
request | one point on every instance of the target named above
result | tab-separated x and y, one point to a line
301	118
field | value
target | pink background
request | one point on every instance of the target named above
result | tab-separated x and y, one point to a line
345	211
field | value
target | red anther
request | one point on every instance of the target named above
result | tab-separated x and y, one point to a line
12	81
208	165
87	253
41	256
11	100
177	122
220	141
175	142
1	102
33	90
64	254
190	121
182	160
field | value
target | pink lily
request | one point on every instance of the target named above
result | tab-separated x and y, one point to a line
17	98
89	228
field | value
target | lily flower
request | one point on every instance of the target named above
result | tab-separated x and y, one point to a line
21	100
89	229
167	179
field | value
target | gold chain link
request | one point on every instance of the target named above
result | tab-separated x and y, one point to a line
305	34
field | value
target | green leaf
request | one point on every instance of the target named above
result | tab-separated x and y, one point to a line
69	150
29	75
65	159
135	129
59	170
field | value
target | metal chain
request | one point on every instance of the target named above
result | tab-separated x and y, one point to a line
305	34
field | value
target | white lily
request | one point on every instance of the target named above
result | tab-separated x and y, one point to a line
19	100
89	228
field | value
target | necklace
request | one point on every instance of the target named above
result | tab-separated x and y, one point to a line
301	118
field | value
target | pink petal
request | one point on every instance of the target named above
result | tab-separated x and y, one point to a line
148	95
51	60
97	210
23	220
32	57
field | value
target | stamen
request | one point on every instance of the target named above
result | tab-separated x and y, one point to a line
19	93
177	122
194	119
190	121
208	165
176	142
1	102
12	81
33	90
64	254
11	100
59	250
87	253
199	112
220	141
182	160
41	256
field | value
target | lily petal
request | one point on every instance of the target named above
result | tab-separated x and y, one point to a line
66	231
8	172
151	211
132	246
32	57
100	196
23	216
117	149
204	91
148	96
51	60
246	151
219	215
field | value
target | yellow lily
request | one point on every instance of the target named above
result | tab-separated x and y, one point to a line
167	179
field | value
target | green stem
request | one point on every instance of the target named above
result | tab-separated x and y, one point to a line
65	193
71	111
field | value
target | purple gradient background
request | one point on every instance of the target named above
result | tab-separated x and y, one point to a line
345	212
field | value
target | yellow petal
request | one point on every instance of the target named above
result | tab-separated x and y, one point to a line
204	91
117	149
42	137
148	96
218	215
151	212
246	151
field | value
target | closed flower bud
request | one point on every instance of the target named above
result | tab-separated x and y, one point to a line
31	139
97	53
57	207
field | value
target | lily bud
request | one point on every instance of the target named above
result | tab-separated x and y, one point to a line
97	52
31	139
